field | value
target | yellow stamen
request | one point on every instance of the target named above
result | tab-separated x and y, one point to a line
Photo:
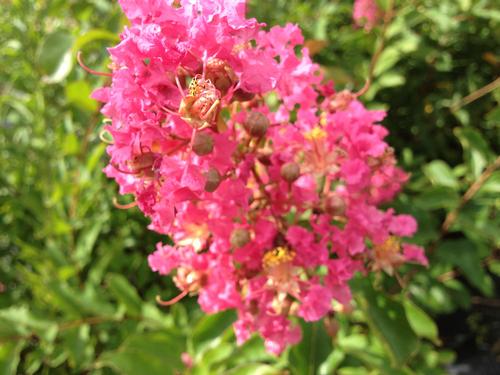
193	86
315	133
277	256
389	247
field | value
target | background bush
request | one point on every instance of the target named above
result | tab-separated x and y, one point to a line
77	295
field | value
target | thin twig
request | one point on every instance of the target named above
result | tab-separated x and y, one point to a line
476	95
473	189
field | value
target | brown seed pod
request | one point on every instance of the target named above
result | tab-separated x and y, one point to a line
290	171
240	237
203	144
256	124
213	180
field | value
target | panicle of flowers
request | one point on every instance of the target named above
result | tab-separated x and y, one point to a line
268	180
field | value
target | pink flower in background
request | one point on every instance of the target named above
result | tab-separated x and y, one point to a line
366	13
272	209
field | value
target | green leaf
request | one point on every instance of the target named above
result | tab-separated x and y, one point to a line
391	79
421	323
77	344
125	293
55	58
439	173
87	239
477	153
437	197
78	93
9	357
353	371
253	369
312	350
252	350
464	254
331	363
492	184
210	327
388	58
92	35
152	353
388	320
213	355
71	144
494	267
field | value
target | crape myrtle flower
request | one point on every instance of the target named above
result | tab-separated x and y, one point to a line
268	181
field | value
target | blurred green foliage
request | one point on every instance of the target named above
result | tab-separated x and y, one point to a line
76	294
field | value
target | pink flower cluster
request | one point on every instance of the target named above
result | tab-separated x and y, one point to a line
267	180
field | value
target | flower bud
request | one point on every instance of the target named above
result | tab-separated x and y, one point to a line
290	171
335	205
240	237
256	124
213	180
221	74
203	144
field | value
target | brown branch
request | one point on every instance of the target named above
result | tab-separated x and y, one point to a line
476	95
473	189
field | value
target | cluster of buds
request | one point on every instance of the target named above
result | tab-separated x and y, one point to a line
267	180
